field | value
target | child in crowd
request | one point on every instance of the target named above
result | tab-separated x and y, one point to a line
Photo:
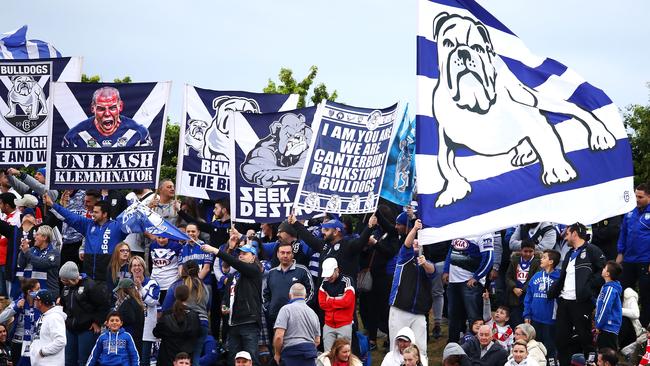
501	330
115	346
473	330
609	309
522	267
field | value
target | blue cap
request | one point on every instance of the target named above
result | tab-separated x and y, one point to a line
333	224
42	171
248	249
45	297
402	219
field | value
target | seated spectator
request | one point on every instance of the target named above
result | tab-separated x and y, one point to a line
412	356
536	350
473	331
404	338
243	358
607	357
639	351
115	346
183	359
520	355
484	351
5	348
454	355
339	354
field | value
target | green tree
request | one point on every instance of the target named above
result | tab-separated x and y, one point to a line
637	120
97	79
289	85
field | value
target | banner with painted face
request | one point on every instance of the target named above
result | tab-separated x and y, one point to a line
204	139
107	135
269	152
26	107
347	159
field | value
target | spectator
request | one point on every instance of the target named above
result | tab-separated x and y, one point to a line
5	348
243	358
178	328
542	234
297	331
49	341
501	330
183	359
631	327
472	331
340	354
117	203
520	356
165	254
403	339
244	302
609	309
131	309
9	215
81	203
468	263
604	235
192	252
287	235
634	249
101	233
411	291
280	279
118	266
607	357
268	233
483	351
210	353
539	309
150	295
336	298
522	267
412	356
25	316
41	261
454	355
218	229
575	289
85	303
115	346
536	350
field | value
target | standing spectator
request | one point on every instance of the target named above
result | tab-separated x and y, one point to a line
115	346
25	316
269	233
340	354
609	308
542	234
150	295
539	309
631	327
522	267
483	351
604	235
48	341
575	290
165	254
297	331
178	328
287	235
9	215
244	303
336	298
634	249
192	252
218	229
468	263
131	309
536	350
42	260
118	266
81	203
411	294
281	278
86	304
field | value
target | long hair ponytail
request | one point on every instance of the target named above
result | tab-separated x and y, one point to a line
181	294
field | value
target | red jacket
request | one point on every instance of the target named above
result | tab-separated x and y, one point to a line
337	299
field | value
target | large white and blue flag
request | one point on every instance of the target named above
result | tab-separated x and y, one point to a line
507	137
15	45
399	179
139	218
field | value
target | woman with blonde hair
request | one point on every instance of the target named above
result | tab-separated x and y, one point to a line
411	355
118	267
339	355
150	293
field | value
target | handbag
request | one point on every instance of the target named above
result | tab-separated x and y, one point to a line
364	278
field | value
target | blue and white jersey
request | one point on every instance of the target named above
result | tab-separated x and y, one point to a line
470	257
165	261
192	252
150	294
130	133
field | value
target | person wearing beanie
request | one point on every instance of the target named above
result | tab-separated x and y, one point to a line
287	235
86	304
453	354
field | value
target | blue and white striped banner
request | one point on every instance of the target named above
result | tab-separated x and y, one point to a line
506	137
14	45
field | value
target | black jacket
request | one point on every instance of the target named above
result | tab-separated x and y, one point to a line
511	279
84	304
133	318
495	356
218	230
387	246
175	336
248	291
590	261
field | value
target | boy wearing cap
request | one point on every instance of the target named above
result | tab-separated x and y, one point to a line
243	358
336	298
48	340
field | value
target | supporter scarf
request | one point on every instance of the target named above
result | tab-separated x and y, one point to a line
646	358
503	337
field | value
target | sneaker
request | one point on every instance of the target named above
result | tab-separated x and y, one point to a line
437	332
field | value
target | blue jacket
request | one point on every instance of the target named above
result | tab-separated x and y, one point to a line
412	285
100	241
210	354
113	349
275	292
537	306
45	266
609	310
634	239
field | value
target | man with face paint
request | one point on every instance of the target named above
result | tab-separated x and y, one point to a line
107	128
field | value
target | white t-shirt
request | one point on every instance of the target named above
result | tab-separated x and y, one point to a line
569	289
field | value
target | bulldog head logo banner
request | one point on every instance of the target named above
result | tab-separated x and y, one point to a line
506	137
347	159
26	106
205	135
107	135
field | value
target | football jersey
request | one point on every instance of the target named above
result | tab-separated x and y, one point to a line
130	133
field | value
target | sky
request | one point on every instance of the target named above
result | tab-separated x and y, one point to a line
364	49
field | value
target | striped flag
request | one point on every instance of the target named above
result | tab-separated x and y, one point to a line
15	45
506	137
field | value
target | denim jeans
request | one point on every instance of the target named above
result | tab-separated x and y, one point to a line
463	303
198	347
545	335
438	293
145	357
78	347
243	338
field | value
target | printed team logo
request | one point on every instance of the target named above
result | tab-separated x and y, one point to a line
26	100
334	203
312	201
460	244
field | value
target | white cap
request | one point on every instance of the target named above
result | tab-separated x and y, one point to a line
243	354
329	265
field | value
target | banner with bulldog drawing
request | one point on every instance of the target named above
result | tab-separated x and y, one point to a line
26	107
347	159
107	135
506	137
204	139
399	179
269	152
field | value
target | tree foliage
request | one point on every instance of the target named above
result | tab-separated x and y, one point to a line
637	119
289	85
